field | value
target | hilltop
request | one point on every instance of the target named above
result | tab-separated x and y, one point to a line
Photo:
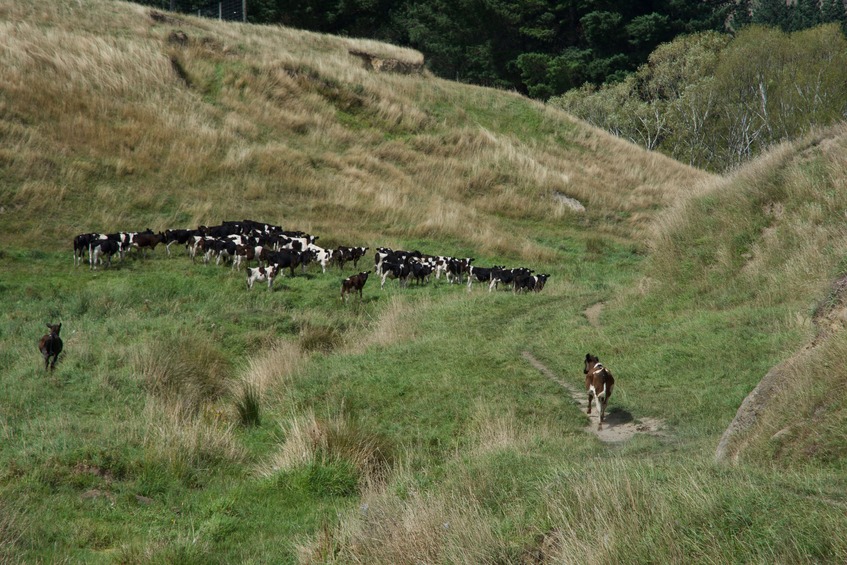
170	121
192	420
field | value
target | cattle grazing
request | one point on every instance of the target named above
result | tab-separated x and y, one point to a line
81	244
535	283
343	254
51	345
102	247
599	382
399	271
145	241
246	253
178	236
421	272
322	256
457	267
287	259
354	283
480	274
506	276
261	274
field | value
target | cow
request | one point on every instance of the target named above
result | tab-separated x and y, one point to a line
506	276
261	274
323	256
421	271
99	248
246	253
480	274
81	244
527	282
599	382
145	241
353	283
286	259
51	345
178	236
399	271
344	254
458	267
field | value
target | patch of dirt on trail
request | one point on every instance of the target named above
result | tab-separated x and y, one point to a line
592	313
619	426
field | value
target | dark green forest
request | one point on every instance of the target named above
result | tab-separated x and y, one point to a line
541	48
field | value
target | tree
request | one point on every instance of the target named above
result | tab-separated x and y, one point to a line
770	12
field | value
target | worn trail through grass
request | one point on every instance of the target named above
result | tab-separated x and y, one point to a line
619	425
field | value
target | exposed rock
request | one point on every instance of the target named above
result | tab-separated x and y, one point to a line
571	203
386	64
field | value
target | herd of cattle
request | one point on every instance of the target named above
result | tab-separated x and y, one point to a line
274	250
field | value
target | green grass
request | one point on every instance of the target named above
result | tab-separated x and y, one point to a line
191	420
80	442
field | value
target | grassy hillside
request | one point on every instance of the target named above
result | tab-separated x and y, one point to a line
191	420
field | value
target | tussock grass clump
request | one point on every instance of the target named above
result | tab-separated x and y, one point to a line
319	338
311	442
420	528
264	379
187	445
391	327
188	371
248	405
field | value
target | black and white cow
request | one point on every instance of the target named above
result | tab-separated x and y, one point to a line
343	254
323	257
421	271
506	276
81	245
260	274
399	271
481	274
102	248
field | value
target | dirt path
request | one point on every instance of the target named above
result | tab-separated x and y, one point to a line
592	314
619	426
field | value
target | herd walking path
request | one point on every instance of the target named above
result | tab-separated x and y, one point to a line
619	425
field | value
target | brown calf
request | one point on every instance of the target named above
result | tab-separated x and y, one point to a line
51	345
354	283
599	382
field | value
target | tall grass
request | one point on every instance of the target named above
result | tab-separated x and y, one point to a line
251	120
220	425
313	443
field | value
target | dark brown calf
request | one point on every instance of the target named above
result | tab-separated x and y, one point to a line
51	345
599	382
147	241
354	283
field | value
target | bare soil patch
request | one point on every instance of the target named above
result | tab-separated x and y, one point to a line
592	314
619	425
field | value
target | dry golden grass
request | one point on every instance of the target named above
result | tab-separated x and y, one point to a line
185	442
492	431
309	440
125	121
269	372
421	528
391	327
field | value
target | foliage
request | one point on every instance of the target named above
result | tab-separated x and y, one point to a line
542	48
716	102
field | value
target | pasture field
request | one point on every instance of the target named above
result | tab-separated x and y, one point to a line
190	420
404	425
